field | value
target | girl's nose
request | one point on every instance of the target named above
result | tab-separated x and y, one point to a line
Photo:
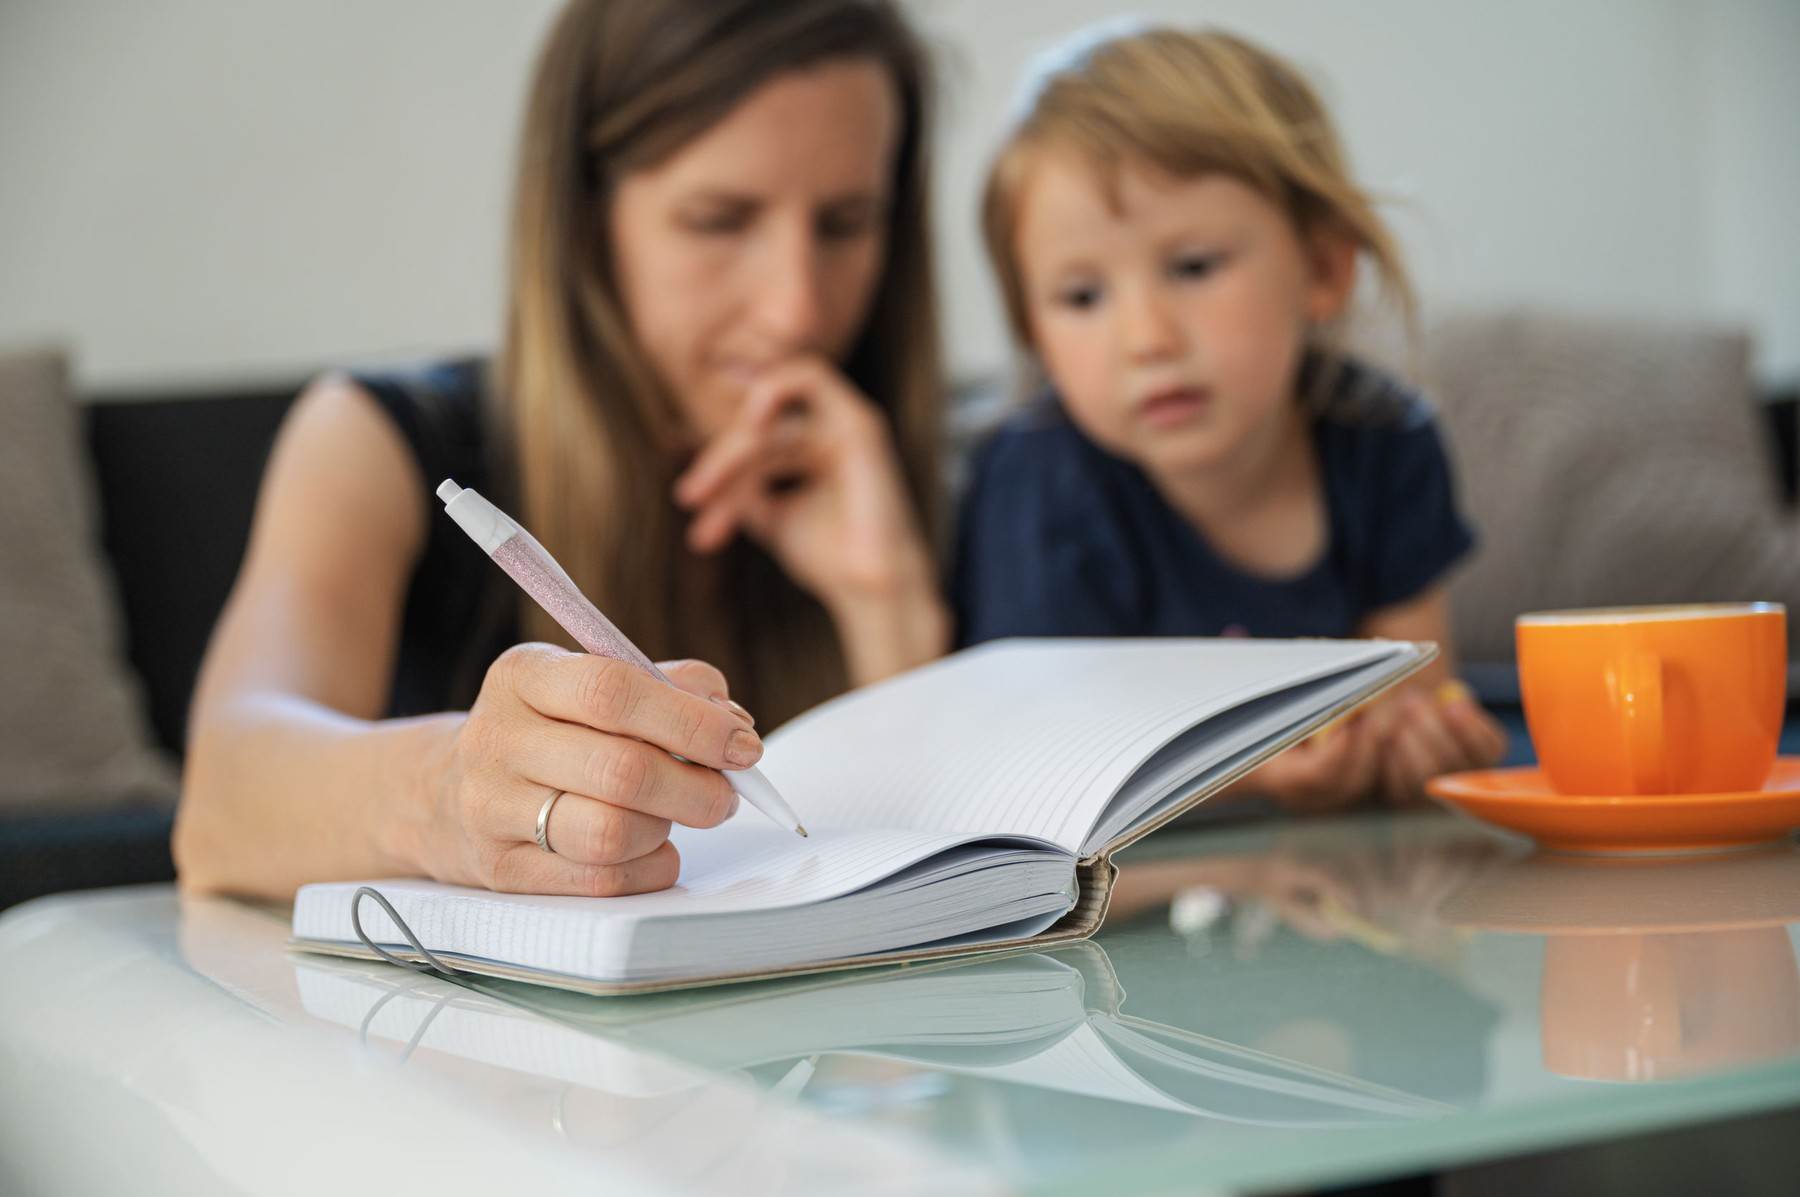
1151	331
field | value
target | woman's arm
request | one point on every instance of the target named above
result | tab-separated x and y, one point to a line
286	765
292	776
891	627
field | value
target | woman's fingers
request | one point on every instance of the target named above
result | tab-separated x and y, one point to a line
599	833
719	463
778	412
739	490
617	697
743	504
791	408
699	678
526	869
623	773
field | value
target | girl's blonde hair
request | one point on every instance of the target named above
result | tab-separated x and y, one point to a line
592	439
1187	103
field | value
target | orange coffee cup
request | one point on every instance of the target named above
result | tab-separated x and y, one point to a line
1655	700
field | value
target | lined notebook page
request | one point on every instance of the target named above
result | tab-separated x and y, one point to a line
747	864
1025	737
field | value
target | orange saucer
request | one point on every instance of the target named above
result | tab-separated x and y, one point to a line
1521	800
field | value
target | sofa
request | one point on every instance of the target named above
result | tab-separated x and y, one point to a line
175	477
1542	413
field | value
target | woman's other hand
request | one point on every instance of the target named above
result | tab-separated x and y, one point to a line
807	469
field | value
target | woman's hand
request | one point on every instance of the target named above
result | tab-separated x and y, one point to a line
603	732
807	469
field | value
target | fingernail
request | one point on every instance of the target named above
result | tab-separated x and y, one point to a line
735	708
1453	692
744	748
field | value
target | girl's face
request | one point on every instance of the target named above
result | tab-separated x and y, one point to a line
1172	313
761	239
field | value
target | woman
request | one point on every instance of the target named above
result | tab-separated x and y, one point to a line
716	405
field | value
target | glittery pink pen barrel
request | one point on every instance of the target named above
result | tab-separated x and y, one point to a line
530	565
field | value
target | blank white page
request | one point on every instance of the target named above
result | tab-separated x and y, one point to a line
1027	737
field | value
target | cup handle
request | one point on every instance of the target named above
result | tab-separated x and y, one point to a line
1641	700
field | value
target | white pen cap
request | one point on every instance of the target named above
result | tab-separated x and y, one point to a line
485	523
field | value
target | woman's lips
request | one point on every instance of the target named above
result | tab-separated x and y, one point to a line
1174	405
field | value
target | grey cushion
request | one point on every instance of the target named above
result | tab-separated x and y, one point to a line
72	731
1606	462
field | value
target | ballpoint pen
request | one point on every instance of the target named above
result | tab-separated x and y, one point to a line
530	565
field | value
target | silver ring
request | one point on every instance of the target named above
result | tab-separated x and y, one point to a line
543	823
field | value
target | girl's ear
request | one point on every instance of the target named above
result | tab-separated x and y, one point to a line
1332	258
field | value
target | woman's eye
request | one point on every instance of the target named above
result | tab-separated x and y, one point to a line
1195	266
847	226
715	223
1081	299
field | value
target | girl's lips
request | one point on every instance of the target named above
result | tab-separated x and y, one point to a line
1176	405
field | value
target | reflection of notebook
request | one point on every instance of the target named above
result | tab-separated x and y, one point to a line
1043	1020
971	804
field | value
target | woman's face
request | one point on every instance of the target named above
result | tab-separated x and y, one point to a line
761	239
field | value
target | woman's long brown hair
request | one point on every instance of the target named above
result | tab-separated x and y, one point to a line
590	435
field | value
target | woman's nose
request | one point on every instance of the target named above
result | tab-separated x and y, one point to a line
791	299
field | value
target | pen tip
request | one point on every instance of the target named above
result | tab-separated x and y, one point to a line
801	830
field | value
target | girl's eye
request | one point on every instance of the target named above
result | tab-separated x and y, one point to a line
1080	299
1195	266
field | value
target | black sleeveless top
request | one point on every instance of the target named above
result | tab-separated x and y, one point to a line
461	612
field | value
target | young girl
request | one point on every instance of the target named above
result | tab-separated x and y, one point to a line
1176	233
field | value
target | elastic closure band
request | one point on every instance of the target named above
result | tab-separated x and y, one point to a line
432	965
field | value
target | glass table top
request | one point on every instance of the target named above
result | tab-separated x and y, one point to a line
1277	1004
1269	1006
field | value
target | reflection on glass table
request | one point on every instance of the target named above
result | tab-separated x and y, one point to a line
1048	1021
1657	967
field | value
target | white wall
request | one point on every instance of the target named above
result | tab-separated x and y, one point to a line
193	189
233	188
1750	172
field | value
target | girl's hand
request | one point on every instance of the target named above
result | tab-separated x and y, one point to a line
1430	734
808	470
601	731
1338	766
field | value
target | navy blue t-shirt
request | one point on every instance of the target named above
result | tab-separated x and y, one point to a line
1060	538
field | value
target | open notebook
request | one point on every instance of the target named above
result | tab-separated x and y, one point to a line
971	804
1043	1020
